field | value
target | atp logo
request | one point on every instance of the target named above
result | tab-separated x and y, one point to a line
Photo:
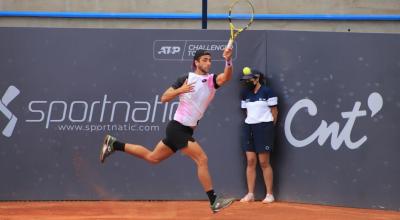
169	50
8	96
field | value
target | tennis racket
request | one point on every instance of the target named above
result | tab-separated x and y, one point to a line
240	16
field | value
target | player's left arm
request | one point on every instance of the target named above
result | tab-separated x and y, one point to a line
224	77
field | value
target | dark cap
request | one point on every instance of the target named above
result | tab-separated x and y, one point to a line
200	53
253	74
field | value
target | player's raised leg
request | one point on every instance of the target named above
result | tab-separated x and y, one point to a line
160	152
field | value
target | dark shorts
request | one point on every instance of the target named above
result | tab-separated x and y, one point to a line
177	135
258	137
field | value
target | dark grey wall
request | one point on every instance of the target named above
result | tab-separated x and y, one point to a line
76	85
351	80
74	77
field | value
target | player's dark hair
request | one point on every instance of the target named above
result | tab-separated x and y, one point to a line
199	53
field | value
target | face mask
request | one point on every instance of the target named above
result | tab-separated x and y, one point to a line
250	85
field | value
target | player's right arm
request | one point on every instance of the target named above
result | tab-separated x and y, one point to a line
224	77
172	92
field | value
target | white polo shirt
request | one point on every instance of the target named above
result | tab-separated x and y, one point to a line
259	105
192	105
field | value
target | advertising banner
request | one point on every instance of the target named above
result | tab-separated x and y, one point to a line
63	90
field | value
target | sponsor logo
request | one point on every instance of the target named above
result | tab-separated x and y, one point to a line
166	50
100	115
8	96
324	131
180	50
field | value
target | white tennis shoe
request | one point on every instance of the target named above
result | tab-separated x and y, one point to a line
249	197
269	198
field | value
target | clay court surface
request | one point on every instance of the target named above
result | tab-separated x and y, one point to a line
182	210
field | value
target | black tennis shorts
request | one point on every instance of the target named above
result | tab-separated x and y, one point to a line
258	137
177	135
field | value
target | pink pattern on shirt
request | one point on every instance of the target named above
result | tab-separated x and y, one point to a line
193	105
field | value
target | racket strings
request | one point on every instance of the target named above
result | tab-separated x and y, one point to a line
241	15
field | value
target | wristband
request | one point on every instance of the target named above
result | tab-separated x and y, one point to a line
228	63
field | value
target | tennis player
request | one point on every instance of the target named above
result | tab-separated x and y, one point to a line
195	90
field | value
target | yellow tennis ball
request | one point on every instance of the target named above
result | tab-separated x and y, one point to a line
246	70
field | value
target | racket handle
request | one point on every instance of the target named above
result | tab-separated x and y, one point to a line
230	44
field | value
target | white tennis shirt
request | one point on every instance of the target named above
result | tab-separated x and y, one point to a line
192	105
